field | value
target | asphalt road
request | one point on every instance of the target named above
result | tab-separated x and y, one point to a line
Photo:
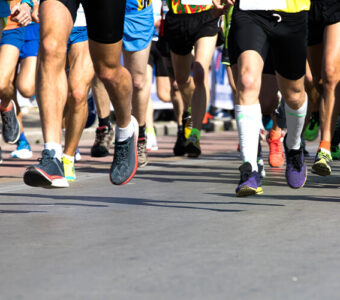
175	232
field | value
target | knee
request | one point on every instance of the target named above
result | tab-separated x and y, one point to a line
164	95
107	75
52	49
294	97
249	82
78	95
330	76
138	82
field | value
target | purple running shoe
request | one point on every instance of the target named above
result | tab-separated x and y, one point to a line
250	182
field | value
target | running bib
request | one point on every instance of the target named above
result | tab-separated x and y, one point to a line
263	4
196	2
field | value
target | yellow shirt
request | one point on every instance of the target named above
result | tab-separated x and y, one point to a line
294	6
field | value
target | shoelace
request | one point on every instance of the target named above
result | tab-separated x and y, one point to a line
324	155
275	145
121	153
295	159
45	158
141	147
100	135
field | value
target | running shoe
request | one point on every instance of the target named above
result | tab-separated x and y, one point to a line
77	155
69	170
125	160
335	152
260	166
296	171
276	156
312	129
151	140
322	163
179	148
187	126
23	150
250	182
142	153
103	141
10	125
49	173
192	146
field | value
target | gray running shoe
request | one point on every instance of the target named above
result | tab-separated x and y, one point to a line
103	141
10	125
142	153
125	162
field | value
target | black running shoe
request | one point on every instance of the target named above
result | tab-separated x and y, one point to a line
179	148
103	141
125	160
10	125
49	173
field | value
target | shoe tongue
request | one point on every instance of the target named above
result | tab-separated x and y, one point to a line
246	168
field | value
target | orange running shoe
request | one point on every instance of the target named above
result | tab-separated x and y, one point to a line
276	156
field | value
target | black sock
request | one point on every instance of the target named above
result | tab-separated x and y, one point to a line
105	121
141	134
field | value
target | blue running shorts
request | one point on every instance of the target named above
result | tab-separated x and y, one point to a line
138	29
32	40
14	37
78	35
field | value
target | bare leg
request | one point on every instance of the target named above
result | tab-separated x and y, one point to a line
101	98
25	81
80	76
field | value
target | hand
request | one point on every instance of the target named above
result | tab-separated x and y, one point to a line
21	13
35	12
221	6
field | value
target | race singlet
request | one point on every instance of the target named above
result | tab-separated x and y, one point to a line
263	4
196	2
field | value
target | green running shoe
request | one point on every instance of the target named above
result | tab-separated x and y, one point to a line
312	129
322	163
335	152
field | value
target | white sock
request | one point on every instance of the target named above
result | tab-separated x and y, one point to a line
56	147
295	121
123	134
248	118
70	158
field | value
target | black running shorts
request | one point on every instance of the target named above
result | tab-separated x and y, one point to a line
284	34
105	18
322	13
183	30
156	59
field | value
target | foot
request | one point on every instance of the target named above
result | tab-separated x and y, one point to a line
23	151
151	141
49	173
142	153
335	152
250	182
276	157
260	166
103	141
10	125
125	161
322	163
179	148
296	170
312	129
192	146
69	170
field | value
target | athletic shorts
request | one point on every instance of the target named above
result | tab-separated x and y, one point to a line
322	13
138	29
284	34
104	18
14	37
183	30
32	41
156	59
78	35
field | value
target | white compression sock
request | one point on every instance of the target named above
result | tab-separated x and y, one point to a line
248	118
295	121
56	147
123	134
70	158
